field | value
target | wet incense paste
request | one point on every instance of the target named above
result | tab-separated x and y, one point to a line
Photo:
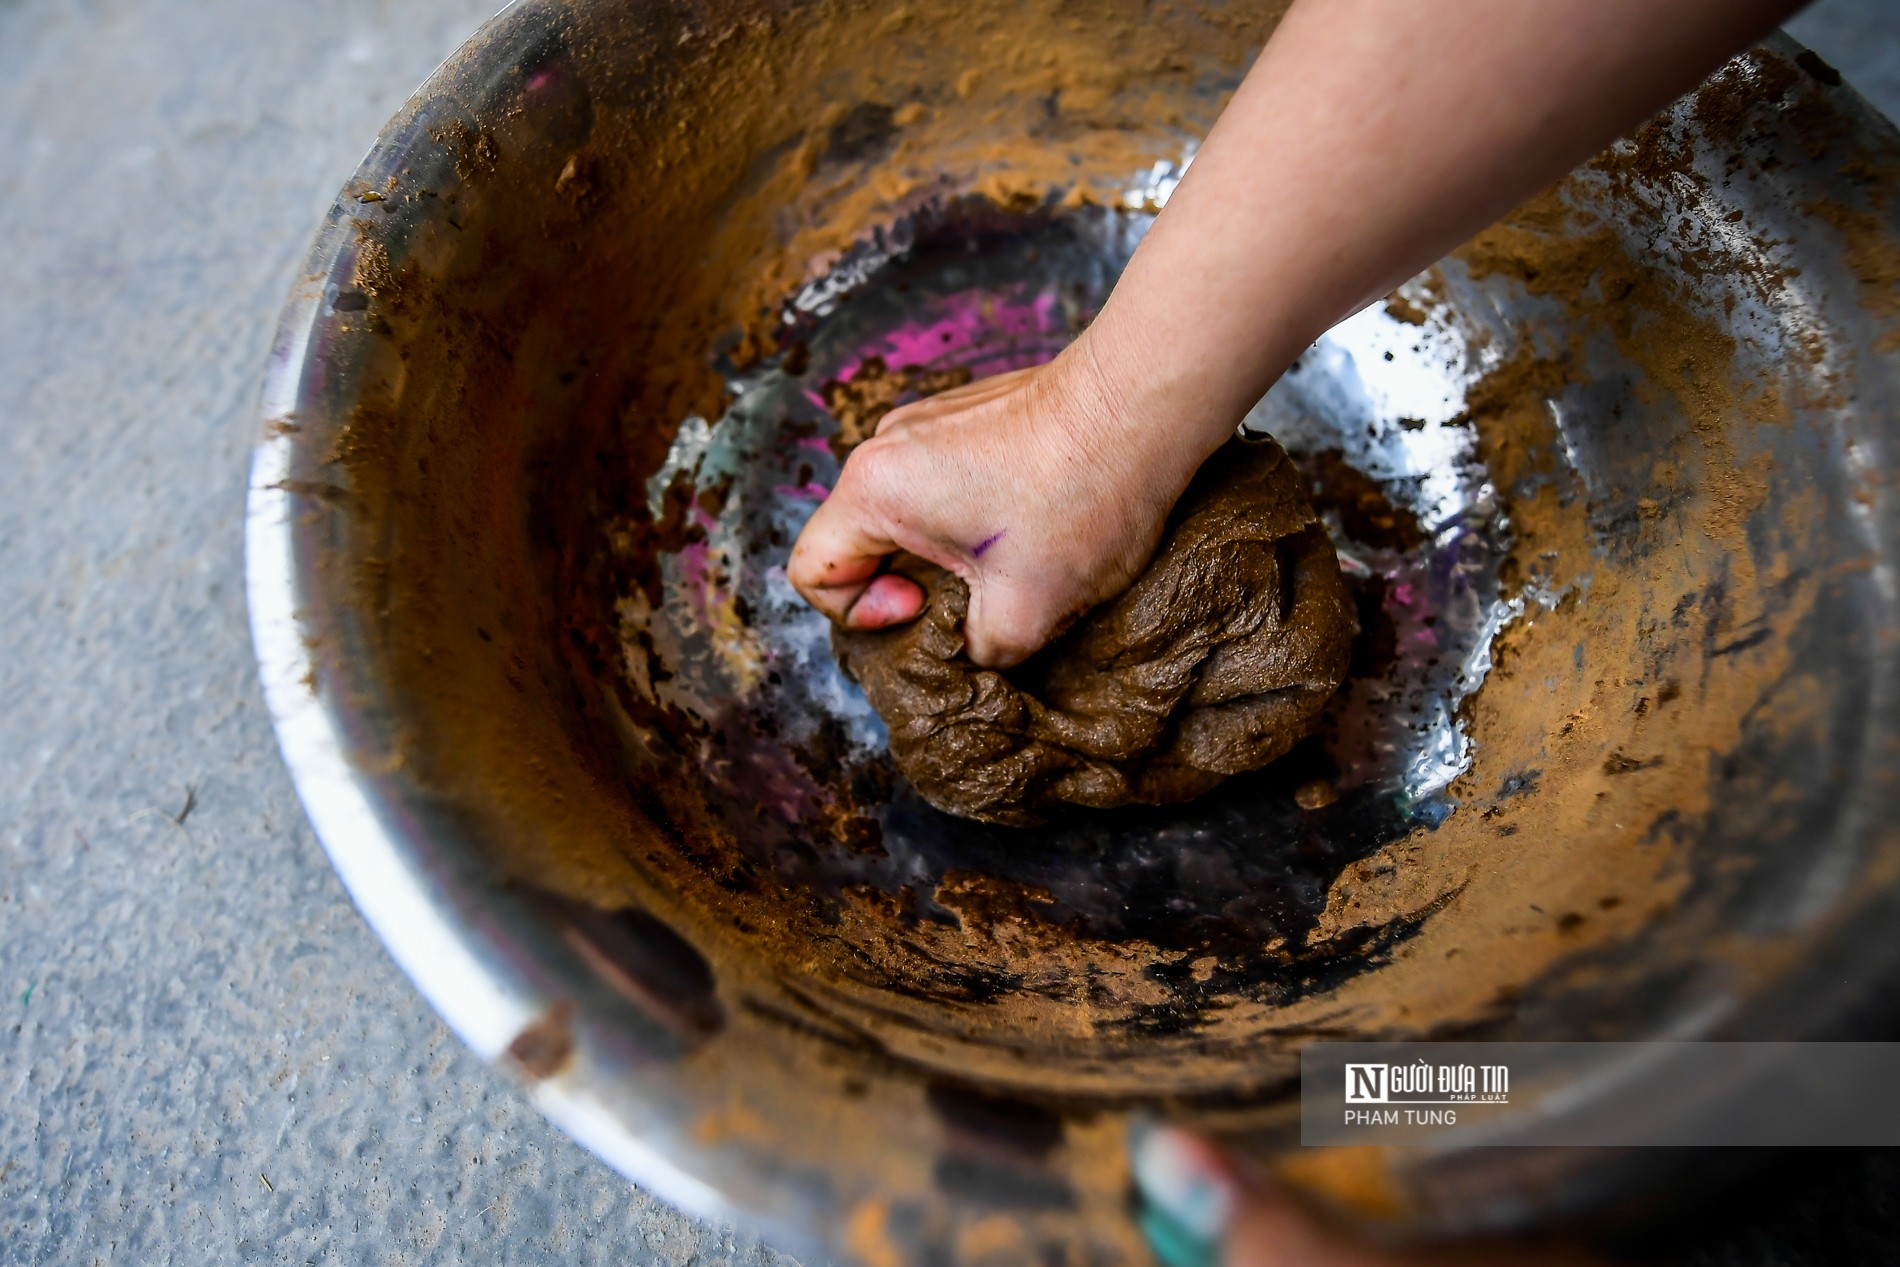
1217	660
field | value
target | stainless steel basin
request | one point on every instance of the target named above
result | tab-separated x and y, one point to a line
550	402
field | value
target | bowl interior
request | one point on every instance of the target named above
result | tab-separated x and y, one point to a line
1608	484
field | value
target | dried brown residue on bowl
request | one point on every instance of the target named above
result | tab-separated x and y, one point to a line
1594	738
1873	252
873	389
649	193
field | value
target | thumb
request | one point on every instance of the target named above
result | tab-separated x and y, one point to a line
1197	1210
835	566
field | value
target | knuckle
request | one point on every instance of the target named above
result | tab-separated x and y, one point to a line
869	461
895	420
873	479
801	573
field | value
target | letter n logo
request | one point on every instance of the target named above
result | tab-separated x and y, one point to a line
1365	1084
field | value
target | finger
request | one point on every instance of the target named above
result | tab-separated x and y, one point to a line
967	396
1269	1230
888	600
1196	1211
837	555
1188	1195
980	389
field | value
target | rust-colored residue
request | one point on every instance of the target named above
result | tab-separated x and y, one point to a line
860	402
544	1047
484	517
868	1237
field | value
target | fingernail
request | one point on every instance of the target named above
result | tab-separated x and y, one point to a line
1187	1196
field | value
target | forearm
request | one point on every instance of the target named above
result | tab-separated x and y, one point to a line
1371	137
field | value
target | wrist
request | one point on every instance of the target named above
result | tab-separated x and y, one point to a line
1152	404
1115	414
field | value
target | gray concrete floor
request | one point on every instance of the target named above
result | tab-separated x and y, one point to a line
205	1057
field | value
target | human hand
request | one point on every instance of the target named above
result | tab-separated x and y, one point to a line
1039	488
1364	143
1197	1210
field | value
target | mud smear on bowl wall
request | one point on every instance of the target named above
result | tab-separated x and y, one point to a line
1610	576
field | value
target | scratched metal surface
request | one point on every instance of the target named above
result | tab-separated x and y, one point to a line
207	1013
205	1057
